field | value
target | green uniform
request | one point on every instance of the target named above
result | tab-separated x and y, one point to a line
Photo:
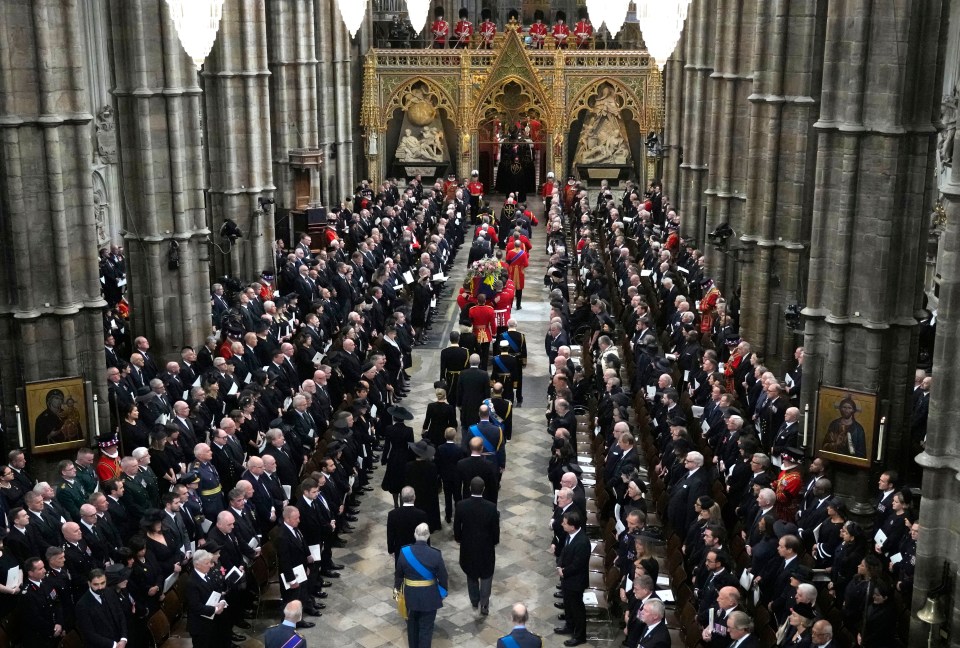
135	497
71	497
87	477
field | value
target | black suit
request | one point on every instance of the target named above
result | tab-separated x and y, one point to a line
287	471
680	509
473	388
292	551
470	467
659	637
204	632
401	523
476	527
574	561
100	624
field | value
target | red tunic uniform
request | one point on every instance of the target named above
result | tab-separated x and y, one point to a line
475	188
787	488
547	191
484	322
462	34
518	260
584	33
108	468
708	309
440	30
538	33
488	31
491	234
450	189
561	33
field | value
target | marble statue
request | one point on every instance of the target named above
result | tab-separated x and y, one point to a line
603	139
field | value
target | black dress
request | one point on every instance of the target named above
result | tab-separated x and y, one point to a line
143	576
395	455
439	417
422	475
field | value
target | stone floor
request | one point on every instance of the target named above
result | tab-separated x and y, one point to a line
360	610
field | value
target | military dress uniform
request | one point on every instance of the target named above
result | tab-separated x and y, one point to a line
87	477
518	349
108	467
72	496
504	369
788	487
453	360
41	607
283	636
211	492
135	496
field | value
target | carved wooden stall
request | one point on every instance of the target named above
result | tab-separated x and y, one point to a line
435	112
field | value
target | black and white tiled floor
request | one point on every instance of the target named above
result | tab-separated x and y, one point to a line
360	610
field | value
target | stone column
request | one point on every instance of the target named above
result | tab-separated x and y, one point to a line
673	121
159	128
293	87
730	124
50	318
344	110
788	54
940	459
325	12
238	126
697	102
875	147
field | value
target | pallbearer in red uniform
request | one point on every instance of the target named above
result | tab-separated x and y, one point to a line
484	321
538	30
518	259
561	31
546	192
488	30
440	29
463	31
789	484
583	30
476	195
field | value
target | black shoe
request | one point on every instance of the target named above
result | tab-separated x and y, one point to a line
350	518
368	488
320	595
574	642
558	595
561	617
238	637
320	606
324	583
559	606
336	566
563	630
346	529
311	611
305	624
338	543
484	610
243	625
331	574
352	510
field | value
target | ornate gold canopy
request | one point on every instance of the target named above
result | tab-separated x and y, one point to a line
469	87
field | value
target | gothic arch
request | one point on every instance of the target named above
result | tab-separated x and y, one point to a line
490	104
641	111
399	98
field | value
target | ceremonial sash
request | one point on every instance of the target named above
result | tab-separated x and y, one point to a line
475	430
497	360
513	343
420	569
509	642
517	257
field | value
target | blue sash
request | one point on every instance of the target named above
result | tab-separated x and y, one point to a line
475	430
517	258
509	642
513	343
420	569
497	360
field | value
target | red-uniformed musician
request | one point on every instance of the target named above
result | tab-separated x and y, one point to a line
538	30
561	31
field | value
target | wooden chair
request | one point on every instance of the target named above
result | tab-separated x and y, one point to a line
159	627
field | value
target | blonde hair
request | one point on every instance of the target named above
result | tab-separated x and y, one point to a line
441	394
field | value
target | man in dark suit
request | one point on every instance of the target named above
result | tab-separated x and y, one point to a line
287	470
100	620
41	605
775	588
740	631
285	635
477	466
263	503
227	467
656	635
473	388
574	577
292	552
476	528
205	633
424	585
680	511
402	521
448	456
521	637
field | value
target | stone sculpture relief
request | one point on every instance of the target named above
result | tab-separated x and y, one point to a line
603	139
106	136
948	118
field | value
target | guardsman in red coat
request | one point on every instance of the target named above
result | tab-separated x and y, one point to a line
569	194
450	187
561	31
440	29
518	258
583	30
475	187
484	321
789	484
546	192
108	465
538	30
488	30
708	305
463	31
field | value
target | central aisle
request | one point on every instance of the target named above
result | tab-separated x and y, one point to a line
360	609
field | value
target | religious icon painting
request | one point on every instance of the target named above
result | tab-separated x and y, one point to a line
846	425
55	417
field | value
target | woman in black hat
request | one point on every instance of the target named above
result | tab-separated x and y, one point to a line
396	452
167	556
160	462
847	557
829	537
146	576
118	581
421	473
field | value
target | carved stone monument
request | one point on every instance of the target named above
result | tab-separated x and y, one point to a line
603	151
422	148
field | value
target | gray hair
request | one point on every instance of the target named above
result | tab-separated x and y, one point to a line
741	621
656	607
202	555
768	496
407	495
422	532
